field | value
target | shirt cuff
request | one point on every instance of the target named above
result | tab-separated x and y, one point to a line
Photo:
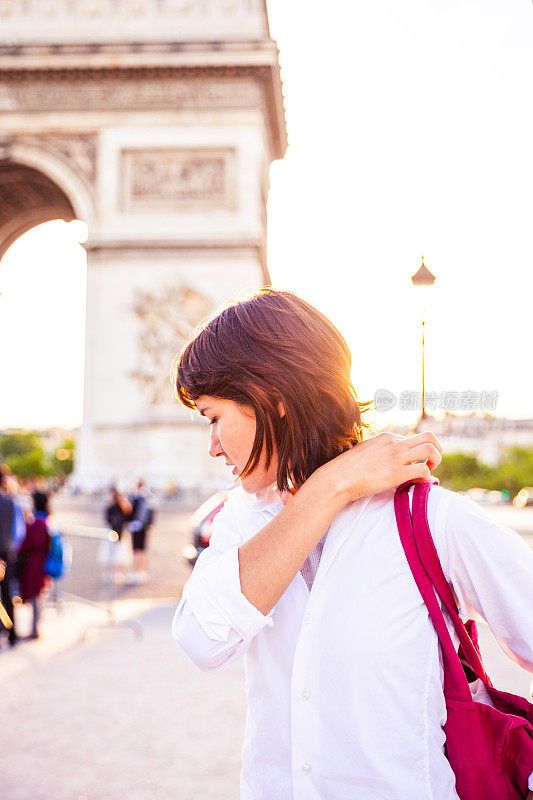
216	600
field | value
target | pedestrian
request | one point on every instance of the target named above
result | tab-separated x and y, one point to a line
117	513
305	575
141	518
8	524
32	557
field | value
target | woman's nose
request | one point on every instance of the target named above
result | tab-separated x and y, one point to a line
214	444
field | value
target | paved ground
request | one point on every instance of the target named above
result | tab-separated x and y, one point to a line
116	716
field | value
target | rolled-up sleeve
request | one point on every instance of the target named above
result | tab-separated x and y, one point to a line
214	622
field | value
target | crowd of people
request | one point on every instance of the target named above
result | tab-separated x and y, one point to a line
25	541
31	550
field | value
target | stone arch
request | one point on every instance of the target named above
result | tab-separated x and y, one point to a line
37	187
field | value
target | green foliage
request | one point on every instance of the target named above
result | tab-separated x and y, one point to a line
31	465
514	471
462	471
25	455
18	444
63	461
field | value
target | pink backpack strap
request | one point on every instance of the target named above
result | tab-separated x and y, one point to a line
455	682
431	563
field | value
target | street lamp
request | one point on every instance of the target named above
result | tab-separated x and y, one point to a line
423	278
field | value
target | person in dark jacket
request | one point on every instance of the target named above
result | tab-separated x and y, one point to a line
7	555
32	557
117	513
140	520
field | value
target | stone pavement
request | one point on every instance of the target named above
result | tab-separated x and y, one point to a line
115	716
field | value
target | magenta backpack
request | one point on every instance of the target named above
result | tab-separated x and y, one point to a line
490	749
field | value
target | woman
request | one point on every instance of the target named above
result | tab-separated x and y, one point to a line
305	572
32	557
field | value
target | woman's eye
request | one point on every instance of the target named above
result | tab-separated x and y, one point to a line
212	422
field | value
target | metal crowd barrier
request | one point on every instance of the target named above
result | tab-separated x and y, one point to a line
90	569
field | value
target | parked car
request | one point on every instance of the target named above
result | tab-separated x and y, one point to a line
477	494
483	496
201	524
496	496
524	497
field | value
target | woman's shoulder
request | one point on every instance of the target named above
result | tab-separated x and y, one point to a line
463	532
438	497
446	511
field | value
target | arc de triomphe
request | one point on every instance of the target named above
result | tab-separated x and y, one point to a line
155	122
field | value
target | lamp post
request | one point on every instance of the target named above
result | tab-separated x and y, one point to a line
423	278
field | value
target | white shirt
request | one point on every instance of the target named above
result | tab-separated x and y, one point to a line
344	682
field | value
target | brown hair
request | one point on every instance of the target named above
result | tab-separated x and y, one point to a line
269	347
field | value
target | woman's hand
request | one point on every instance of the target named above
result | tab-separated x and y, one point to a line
384	461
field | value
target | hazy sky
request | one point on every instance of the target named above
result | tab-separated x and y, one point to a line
411	131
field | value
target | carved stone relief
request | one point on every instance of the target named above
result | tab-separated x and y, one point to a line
165	318
172	177
77	149
104	21
129	89
123	9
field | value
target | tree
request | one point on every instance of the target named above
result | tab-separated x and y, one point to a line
514	471
18	444
462	471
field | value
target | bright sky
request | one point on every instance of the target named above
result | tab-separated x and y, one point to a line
411	130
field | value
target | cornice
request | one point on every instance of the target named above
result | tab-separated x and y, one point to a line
89	56
263	72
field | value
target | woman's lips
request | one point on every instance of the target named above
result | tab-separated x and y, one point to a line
235	471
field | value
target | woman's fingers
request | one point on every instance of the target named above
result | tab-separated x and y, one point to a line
384	461
423	452
387	438
402	450
416	472
428	437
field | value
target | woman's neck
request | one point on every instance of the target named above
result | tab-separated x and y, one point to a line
271	494
285	496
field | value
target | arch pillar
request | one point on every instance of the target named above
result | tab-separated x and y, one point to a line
142	301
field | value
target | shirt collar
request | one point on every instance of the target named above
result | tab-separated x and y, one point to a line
269	499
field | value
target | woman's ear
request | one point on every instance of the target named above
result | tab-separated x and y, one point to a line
281	409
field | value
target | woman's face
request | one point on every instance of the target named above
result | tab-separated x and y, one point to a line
232	437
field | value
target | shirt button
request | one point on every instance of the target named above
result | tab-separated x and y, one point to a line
306	769
308	618
306	694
